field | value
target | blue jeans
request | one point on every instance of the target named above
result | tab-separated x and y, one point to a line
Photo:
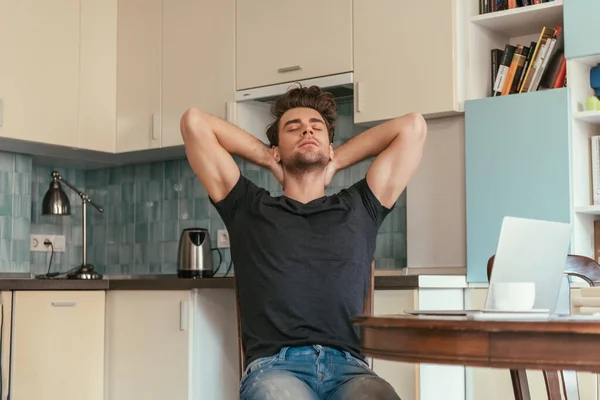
312	373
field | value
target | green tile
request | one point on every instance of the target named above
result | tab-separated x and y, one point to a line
97	178
201	208
20	229
169	252
127	191
127	233
125	254
6	182
172	170
5	228
5	245
142	172
170	210
170	231
6	205
186	209
23	163
141	232
157	171
154	232
7	161
113	234
172	189
112	254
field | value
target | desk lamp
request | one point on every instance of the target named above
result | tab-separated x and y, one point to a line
56	202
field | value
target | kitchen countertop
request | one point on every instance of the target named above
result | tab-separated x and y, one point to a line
384	280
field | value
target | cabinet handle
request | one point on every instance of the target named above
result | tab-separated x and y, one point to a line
359	96
155	126
64	304
183	315
290	69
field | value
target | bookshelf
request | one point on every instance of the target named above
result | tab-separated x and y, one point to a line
494	30
521	21
592	117
585	124
567	140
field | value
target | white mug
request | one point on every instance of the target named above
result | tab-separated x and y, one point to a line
513	296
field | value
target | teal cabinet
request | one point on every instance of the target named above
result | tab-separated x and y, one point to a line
582	28
517	151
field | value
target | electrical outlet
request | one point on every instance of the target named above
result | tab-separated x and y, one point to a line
222	239
37	243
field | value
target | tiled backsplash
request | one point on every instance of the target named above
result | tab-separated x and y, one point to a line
146	207
15	201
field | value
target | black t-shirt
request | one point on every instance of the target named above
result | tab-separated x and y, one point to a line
302	270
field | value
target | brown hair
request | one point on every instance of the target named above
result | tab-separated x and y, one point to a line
311	97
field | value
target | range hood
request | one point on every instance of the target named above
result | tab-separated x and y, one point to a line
340	85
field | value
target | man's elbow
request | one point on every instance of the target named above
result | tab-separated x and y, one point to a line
413	128
193	124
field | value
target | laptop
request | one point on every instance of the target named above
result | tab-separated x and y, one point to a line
528	250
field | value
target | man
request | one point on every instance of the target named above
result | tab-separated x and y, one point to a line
303	259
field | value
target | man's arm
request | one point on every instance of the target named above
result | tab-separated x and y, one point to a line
210	141
398	147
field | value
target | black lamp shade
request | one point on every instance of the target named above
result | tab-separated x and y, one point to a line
55	201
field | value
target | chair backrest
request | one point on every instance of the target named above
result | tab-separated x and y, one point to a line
368	309
589	270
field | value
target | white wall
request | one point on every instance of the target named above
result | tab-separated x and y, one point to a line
436	218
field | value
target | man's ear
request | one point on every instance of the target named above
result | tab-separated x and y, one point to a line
331	152
275	153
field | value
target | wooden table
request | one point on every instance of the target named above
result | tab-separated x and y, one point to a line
515	345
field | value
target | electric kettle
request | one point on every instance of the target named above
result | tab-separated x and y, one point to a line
194	254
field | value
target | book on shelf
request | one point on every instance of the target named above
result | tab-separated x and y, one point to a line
538	65
597	241
489	6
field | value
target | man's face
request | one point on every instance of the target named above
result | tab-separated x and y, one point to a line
303	140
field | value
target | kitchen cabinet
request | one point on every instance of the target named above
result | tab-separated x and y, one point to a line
58	345
198	61
406	59
138	74
284	40
402	376
39	72
581	35
172	55
171	344
98	71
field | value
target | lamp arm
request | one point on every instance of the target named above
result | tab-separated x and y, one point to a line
84	197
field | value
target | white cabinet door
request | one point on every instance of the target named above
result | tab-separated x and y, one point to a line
286	40
58	345
198	53
98	70
139	31
402	376
405	58
148	345
39	70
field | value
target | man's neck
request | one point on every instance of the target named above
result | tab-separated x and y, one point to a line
304	187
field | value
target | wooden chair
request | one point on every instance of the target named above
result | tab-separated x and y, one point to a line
368	309
581	267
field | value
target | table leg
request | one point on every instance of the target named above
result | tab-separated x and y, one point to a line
552	385
520	384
